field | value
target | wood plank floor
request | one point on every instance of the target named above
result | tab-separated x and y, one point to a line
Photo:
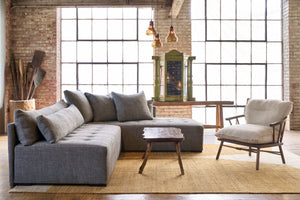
291	140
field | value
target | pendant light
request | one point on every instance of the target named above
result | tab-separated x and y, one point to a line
172	35
151	30
157	43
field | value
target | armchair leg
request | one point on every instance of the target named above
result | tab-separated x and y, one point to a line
219	151
257	158
281	153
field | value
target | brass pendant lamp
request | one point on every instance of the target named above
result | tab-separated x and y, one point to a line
151	30
157	43
172	37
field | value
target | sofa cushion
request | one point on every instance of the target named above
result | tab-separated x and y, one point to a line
249	133
131	107
80	101
103	107
57	125
26	125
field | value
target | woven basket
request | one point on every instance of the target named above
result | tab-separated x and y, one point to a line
20	104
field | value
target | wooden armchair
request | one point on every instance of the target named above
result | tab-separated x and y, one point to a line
265	124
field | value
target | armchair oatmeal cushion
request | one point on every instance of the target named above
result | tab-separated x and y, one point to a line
131	107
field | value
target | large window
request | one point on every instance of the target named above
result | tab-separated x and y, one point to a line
238	49
106	49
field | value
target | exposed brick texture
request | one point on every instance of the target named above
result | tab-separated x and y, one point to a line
174	111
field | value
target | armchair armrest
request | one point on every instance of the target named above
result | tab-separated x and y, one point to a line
278	122
234	117
280	130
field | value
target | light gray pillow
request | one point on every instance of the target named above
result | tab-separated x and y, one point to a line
150	106
80	101
103	107
131	107
59	124
25	121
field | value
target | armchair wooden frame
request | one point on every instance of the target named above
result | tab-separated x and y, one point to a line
256	148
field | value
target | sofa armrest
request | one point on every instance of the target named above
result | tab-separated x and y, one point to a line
12	142
154	111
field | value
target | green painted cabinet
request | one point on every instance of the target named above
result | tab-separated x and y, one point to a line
173	77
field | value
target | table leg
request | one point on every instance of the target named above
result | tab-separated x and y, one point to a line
148	150
177	145
219	117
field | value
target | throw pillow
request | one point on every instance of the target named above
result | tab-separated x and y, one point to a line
131	107
80	101
25	121
59	124
103	107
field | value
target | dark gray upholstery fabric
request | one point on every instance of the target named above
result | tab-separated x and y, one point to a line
57	125
12	141
81	102
103	107
132	134
131	107
85	156
26	122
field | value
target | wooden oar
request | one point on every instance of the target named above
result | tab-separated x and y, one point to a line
21	77
39	77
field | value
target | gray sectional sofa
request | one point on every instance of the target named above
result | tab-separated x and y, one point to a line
79	142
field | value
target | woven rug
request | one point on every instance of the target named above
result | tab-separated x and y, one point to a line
234	172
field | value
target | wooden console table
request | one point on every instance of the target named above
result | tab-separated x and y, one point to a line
219	109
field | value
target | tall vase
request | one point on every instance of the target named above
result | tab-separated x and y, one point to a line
20	104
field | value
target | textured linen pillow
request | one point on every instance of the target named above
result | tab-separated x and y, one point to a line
80	101
131	107
25	121
150	106
59	124
103	107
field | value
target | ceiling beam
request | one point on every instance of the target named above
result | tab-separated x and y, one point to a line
102	3
176	7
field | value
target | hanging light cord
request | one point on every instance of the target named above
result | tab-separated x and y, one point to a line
151	8
157	15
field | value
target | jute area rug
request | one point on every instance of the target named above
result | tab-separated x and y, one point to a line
234	172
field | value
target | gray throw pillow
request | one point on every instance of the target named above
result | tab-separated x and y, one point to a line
80	101
103	107
59	124
150	106
131	107
25	121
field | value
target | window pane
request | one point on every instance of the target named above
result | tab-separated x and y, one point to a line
274	9
115	88
274	30
258	30
129	13
228	52
243	75
68	51
85	74
146	73
211	115
243	9
129	89
274	92
85	88
199	93
213	30
100	89
258	92
258	9
114	51
114	13
198	50
243	93
145	52
115	74
130	52
130	74
243	30
243	52
148	90
198	74
114	29
68	30
84	52
68	13
145	13
198	114
129	30
213	93
197	9
212	52
68	72
259	52
84	29
213	74
198	30
213	9
227	30
100	51
274	53
84	13
100	74
228	75
228	93
228	9
99	13
99	29
143	27
258	74
274	74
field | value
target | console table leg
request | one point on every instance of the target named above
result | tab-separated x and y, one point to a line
179	157
149	146
219	117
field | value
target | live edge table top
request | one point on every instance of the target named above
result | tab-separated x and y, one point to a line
163	134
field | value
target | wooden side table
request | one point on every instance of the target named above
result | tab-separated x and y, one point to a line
162	134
